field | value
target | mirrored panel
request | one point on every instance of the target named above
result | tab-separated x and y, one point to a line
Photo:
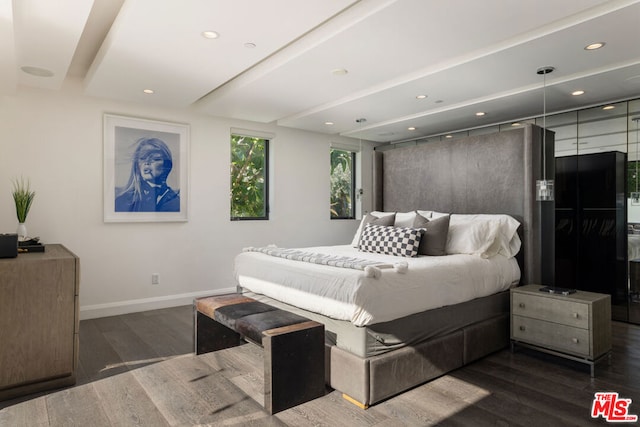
591	202
565	126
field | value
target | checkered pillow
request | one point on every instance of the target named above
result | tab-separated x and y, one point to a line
390	240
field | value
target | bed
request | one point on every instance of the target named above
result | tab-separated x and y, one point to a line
388	328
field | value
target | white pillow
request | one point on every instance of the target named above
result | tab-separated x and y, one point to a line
356	237
510	242
484	235
426	214
405	219
473	238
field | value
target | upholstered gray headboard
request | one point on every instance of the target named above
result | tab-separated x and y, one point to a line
493	173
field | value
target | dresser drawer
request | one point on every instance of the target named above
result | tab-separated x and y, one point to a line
554	310
551	335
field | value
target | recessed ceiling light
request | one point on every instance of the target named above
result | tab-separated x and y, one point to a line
249	45
594	46
329	123
339	72
148	91
480	113
577	92
515	124
608	107
449	136
411	128
37	71
210	34
421	96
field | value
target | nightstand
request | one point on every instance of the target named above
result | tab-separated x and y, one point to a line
575	326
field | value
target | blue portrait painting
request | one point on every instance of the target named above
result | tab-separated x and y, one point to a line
150	184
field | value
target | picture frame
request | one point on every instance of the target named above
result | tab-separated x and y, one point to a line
146	176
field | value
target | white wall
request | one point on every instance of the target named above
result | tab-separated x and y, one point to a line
54	138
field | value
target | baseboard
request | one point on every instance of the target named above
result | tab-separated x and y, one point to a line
133	306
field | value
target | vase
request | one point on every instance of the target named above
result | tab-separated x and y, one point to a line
22	232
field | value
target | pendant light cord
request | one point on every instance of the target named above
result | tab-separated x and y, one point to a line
544	71
360	122
544	125
636	119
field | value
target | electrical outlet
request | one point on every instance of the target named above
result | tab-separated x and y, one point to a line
155	279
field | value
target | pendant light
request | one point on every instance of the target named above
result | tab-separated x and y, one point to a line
544	186
635	195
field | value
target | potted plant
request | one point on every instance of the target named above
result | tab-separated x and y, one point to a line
23	197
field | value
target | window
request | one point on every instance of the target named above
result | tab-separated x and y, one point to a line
249	177
343	184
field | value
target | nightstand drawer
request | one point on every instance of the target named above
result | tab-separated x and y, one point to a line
551	335
555	310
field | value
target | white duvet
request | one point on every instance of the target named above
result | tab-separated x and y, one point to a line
346	294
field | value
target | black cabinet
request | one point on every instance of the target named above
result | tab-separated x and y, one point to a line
591	226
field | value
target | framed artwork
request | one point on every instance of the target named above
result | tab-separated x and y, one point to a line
145	170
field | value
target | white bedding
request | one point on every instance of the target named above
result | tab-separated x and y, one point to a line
633	245
346	294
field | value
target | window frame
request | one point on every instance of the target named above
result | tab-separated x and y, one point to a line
265	173
353	183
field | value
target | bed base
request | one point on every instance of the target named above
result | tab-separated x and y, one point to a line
365	382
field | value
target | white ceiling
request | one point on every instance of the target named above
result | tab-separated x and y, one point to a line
465	55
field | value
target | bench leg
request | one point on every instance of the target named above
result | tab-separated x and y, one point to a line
293	367
211	335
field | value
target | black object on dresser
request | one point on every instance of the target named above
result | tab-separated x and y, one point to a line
8	245
591	226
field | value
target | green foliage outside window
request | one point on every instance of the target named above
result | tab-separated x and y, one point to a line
249	161
342	184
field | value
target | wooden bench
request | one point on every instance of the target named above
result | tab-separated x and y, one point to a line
293	345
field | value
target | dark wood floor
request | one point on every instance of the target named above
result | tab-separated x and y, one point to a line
139	370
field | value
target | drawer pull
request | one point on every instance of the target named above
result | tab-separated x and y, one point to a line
575	340
521	305
522	328
576	315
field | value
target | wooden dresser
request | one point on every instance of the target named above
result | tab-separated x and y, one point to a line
38	321
575	326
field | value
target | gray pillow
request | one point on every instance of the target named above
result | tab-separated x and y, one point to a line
372	219
387	220
434	239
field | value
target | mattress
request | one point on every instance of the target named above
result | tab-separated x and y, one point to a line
425	283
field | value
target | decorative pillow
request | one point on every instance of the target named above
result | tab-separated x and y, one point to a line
434	239
375	217
390	240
